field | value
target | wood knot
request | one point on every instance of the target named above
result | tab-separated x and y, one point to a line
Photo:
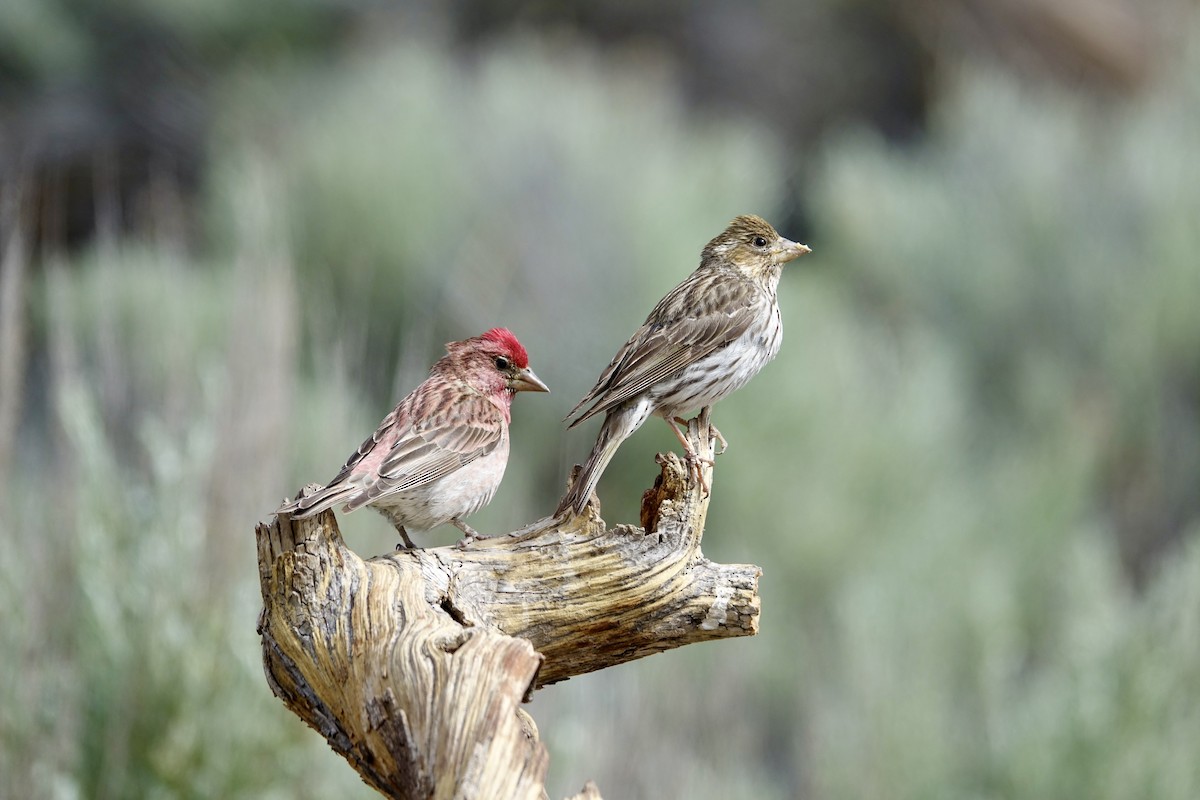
670	484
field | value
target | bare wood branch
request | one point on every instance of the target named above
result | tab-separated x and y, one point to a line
414	665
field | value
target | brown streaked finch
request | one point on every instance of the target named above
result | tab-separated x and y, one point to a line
707	338
440	455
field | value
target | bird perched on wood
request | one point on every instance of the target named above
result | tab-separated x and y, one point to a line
440	455
707	338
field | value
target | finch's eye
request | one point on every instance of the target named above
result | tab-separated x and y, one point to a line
760	241
502	363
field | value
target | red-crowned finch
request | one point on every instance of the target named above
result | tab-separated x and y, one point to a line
440	455
707	338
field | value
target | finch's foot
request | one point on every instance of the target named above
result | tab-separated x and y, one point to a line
471	533
690	456
716	434
693	462
407	545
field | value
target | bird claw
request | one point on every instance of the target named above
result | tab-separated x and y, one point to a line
471	534
407	543
693	462
690	456
713	433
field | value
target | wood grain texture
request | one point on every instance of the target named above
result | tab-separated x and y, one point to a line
414	665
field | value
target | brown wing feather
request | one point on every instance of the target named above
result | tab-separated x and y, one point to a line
440	444
337	491
370	442
695	318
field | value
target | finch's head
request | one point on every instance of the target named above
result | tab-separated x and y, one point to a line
752	246
495	362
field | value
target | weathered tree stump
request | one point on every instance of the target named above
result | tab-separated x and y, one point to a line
414	665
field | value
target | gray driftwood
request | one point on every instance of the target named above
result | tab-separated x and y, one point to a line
414	665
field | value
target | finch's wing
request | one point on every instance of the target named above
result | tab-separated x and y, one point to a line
341	489
696	318
435	446
432	432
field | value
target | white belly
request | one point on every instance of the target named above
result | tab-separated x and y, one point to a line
723	372
457	495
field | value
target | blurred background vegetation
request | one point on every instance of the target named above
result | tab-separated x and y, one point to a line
233	234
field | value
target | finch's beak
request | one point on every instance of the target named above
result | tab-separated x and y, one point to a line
789	250
526	381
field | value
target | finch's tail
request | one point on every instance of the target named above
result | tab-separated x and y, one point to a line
618	425
589	476
318	501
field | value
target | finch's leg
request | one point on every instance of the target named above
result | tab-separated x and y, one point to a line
689	455
471	533
712	432
407	541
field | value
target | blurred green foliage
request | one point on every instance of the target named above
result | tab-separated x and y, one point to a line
985	409
130	663
430	196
